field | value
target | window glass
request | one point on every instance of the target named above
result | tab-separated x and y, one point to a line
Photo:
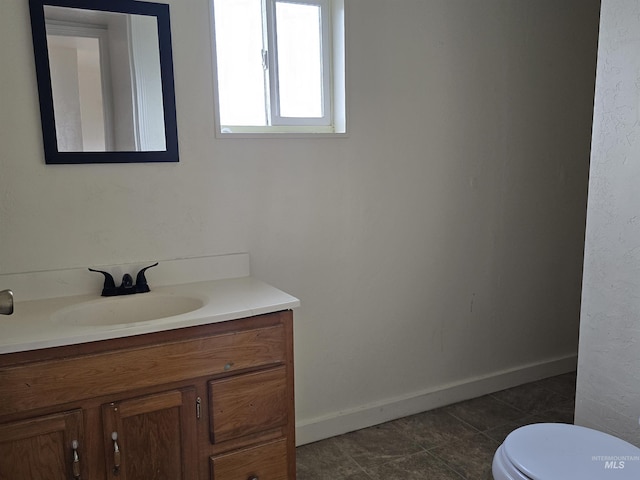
299	37
239	44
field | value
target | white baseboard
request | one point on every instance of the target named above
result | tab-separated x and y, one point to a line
319	428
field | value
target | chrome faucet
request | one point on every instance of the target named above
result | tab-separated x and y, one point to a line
6	302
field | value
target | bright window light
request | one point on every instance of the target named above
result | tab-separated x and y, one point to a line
274	65
299	37
241	84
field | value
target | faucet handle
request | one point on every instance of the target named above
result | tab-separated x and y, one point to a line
109	289
141	281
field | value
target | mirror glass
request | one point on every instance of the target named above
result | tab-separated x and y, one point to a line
105	80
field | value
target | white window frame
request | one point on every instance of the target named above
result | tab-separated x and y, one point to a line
333	120
325	44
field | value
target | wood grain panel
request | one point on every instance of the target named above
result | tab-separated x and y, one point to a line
40	384
150	403
40	448
156	437
247	404
266	462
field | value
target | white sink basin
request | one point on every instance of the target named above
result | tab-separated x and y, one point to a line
127	309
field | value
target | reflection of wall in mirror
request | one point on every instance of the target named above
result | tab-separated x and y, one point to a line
66	97
91	102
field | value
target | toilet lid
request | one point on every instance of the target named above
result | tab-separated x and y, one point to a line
556	451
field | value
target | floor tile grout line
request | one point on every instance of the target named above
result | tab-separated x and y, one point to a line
547	389
464	422
430	454
360	467
504	402
448	465
407	437
531	412
399	457
486	429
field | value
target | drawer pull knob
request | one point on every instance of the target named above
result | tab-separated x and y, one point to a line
253	477
116	453
76	460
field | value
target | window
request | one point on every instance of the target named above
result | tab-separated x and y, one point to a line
279	65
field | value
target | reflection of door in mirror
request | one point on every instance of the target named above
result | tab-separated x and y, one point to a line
105	66
80	98
147	91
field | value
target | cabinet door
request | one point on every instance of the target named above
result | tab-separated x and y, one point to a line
41	448
152	437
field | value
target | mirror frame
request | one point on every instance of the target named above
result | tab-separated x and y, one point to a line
38	30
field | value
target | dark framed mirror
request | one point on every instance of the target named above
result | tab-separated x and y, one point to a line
105	81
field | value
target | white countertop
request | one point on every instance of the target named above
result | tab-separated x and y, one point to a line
32	327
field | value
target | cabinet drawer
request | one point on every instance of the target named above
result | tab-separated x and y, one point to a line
265	462
40	384
247	404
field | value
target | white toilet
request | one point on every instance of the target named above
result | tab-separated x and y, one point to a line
558	451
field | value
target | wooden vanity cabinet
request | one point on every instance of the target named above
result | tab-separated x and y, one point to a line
208	402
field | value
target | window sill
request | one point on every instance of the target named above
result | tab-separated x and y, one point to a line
279	132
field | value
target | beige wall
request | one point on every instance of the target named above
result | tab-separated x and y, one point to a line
437	250
608	389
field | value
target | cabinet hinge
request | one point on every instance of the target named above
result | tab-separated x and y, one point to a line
198	404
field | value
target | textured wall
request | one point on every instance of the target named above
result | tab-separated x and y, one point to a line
439	243
608	392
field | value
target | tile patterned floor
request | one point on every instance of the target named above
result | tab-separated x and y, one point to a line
456	442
